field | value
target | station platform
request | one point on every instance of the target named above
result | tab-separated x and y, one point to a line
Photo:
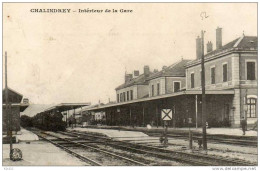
113	133
22	136
40	153
231	132
26	136
37	153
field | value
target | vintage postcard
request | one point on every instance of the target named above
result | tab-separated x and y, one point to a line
130	84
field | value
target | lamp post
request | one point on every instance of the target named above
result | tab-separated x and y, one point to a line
8	114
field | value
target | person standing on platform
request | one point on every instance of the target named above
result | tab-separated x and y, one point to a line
69	123
243	125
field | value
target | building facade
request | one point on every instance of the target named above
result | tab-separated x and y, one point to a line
229	67
135	87
230	82
169	80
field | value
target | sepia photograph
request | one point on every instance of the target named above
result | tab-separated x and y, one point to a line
130	84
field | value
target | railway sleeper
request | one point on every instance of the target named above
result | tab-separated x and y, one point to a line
217	160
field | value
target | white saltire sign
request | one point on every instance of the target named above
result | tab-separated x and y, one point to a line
166	114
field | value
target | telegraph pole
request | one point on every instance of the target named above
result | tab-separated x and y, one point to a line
204	116
9	116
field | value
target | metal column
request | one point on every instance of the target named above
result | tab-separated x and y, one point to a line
130	113
9	114
196	107
143	115
156	114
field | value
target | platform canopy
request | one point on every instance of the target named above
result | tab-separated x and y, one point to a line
185	92
67	106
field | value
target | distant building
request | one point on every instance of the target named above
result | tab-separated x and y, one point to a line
16	106
133	88
168	80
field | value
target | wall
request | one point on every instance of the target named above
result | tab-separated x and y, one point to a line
139	91
154	82
236	80
142	90
169	83
242	62
219	84
248	87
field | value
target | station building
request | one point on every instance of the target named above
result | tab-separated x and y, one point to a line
229	67
231	89
135	86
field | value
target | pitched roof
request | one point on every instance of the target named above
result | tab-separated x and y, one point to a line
248	42
140	80
13	91
13	96
241	43
175	70
244	42
33	109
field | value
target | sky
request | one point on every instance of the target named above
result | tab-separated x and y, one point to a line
82	57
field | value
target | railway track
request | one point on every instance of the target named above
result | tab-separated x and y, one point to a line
224	140
87	160
65	143
189	158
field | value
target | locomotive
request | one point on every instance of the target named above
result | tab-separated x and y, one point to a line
49	121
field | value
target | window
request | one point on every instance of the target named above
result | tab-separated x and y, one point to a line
152	90
176	86
250	70
192	80
225	72
212	73
117	97
251	108
123	96
127	95
131	94
158	88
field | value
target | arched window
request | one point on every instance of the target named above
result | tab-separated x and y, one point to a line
251	108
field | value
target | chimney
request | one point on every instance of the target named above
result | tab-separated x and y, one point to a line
209	47
146	71
128	77
218	38
164	67
198	48
136	73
